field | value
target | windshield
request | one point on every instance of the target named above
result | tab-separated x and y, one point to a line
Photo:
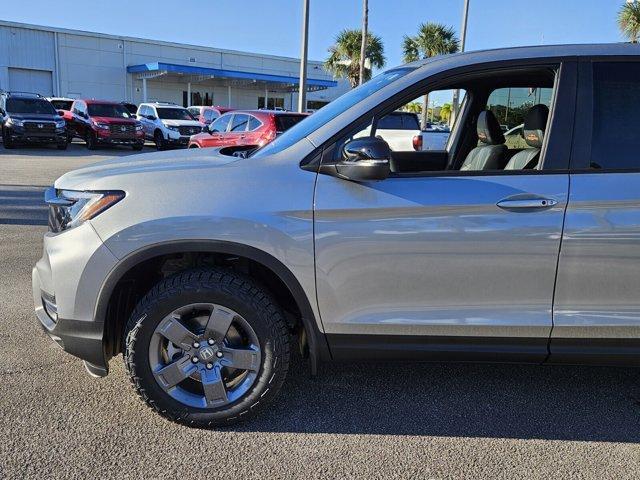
107	110
62	104
30	106
174	114
332	110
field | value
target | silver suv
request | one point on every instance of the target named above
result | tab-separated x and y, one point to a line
167	124
201	268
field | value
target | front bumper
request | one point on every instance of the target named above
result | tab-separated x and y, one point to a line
81	339
20	135
66	282
181	141
120	141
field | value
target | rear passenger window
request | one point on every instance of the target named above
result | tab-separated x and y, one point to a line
239	123
616	115
393	121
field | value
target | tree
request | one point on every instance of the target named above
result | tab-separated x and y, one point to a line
629	21
432	39
413	107
344	55
445	112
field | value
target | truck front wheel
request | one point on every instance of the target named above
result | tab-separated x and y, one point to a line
207	347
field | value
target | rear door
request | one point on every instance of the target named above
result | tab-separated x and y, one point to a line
254	131
597	301
237	131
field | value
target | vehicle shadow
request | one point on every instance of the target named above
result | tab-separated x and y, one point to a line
461	400
75	149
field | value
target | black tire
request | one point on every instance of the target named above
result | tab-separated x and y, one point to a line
90	141
231	290
137	148
6	142
158	139
62	146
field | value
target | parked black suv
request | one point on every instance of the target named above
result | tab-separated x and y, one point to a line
30	118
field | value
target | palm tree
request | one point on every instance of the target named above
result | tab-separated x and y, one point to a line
344	55
445	112
432	39
413	107
629	21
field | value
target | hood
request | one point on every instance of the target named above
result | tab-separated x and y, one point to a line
116	121
182	123
123	172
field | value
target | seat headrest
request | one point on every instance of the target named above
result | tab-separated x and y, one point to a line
489	131
535	124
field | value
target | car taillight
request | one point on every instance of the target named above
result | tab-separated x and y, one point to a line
417	143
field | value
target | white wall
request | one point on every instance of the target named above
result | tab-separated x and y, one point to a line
94	65
25	49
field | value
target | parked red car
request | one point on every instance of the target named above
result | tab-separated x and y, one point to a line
247	127
206	115
100	122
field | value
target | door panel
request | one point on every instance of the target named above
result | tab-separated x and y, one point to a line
435	256
597	302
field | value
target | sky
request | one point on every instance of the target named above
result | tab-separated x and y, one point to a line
274	26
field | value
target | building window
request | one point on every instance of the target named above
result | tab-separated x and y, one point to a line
272	103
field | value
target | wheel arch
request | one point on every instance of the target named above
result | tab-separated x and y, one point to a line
317	344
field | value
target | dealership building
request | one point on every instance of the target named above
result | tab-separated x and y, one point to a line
78	64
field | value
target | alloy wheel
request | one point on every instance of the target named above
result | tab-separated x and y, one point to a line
204	355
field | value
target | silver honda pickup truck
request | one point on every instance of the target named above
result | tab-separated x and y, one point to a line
205	269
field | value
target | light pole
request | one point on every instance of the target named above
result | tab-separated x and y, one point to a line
363	43
302	92
463	41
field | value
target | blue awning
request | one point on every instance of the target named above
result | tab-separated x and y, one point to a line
156	67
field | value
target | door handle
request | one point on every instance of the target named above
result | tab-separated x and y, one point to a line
520	203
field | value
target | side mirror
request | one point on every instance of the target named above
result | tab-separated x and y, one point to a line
151	117
364	159
61	113
2	112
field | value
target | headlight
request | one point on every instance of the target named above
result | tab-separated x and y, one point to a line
14	122
100	125
69	208
60	124
172	127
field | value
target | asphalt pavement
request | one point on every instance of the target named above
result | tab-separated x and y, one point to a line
380	420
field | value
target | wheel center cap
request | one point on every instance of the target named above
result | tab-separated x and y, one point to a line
208	352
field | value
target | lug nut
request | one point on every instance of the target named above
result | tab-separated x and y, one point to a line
209	366
195	359
219	354
196	345
211	341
